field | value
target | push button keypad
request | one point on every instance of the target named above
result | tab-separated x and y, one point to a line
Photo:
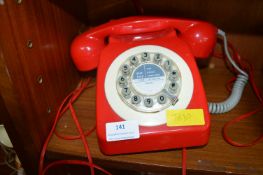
148	82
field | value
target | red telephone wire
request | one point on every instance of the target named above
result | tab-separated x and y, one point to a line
67	104
184	161
73	137
245	65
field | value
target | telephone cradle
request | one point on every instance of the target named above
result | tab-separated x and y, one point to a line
146	70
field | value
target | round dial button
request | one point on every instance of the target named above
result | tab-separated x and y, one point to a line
136	99
172	87
148	102
126	69
157	58
161	99
167	65
173	75
134	60
126	92
148	79
145	56
122	81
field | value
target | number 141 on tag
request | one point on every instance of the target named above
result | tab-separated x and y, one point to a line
120	127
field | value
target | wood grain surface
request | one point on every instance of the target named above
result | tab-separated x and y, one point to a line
232	15
217	157
36	71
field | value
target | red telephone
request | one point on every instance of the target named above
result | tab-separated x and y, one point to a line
148	84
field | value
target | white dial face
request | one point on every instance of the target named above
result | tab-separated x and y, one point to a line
144	81
148	81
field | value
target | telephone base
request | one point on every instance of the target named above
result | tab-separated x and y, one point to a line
154	133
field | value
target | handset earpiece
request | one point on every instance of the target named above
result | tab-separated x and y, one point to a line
201	38
85	51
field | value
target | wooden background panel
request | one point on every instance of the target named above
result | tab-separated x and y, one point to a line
245	16
232	15
34	79
12	113
93	12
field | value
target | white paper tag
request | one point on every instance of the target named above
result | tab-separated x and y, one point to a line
124	130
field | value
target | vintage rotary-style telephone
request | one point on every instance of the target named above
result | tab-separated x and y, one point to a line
149	92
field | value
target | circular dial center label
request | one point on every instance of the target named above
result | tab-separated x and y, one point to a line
148	79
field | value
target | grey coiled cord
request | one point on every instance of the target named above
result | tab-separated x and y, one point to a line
238	87
232	100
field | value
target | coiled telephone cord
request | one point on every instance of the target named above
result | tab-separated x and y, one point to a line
240	82
238	87
232	100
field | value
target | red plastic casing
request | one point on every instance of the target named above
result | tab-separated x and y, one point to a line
195	39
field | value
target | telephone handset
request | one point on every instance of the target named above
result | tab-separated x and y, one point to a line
146	71
87	47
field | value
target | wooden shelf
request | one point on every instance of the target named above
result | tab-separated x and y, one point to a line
217	157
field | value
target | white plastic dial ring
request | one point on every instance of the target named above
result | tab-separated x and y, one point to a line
144	118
